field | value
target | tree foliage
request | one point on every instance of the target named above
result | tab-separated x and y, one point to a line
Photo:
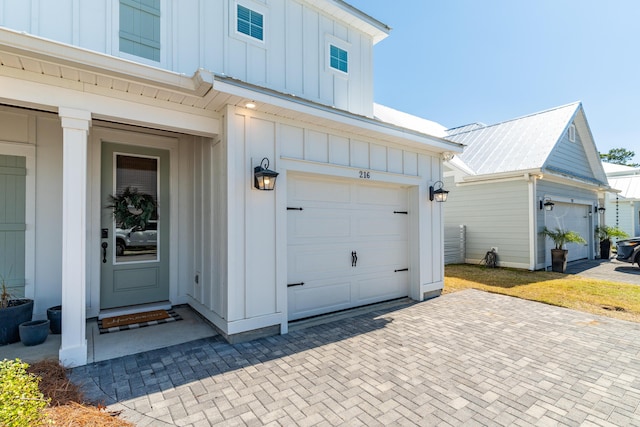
619	156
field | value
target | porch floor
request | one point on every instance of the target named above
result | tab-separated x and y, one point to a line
117	344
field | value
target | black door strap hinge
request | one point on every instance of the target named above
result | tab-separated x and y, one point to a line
290	285
293	209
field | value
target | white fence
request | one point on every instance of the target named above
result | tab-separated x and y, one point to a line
454	244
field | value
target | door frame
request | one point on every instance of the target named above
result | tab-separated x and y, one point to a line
132	138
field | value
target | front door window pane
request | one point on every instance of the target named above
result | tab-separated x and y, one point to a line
138	175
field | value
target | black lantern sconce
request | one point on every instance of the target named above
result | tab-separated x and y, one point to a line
601	209
547	205
437	192
263	177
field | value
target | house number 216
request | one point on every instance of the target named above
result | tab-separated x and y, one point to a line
365	175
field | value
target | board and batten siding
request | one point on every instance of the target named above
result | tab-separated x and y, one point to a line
292	58
570	157
495	214
322	147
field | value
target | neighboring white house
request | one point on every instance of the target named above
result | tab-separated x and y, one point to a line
181	100
507	173
623	208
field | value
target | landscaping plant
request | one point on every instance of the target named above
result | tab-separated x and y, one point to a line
21	402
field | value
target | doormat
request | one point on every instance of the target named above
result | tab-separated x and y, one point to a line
137	320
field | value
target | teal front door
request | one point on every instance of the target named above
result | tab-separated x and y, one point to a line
134	226
13	173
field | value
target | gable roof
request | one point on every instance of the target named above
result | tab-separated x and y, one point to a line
525	143
624	178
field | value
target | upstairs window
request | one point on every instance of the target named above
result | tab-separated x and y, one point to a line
572	133
250	23
338	59
140	28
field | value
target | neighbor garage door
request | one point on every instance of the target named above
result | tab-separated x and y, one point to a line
347	245
571	217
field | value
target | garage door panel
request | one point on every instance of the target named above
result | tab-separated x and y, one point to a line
375	227
382	256
304	226
314	190
325	260
381	288
379	196
308	300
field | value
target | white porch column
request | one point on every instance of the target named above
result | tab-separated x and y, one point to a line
75	126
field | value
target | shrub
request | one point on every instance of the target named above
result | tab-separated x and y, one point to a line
21	403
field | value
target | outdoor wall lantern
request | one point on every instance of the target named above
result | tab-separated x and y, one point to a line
263	178
439	194
601	209
547	205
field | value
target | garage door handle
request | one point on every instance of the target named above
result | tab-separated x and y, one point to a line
354	259
290	285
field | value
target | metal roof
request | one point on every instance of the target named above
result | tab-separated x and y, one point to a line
524	143
624	178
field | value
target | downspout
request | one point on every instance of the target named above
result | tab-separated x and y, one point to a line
533	220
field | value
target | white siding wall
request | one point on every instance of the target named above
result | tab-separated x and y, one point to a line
495	215
201	34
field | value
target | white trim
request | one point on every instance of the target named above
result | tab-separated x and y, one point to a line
29	152
340	44
233	22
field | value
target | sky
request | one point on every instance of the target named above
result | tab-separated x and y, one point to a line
463	61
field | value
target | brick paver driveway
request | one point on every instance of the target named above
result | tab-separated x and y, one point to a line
467	358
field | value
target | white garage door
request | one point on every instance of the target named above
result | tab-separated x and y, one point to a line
347	245
570	217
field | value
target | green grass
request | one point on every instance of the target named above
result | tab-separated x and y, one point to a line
612	299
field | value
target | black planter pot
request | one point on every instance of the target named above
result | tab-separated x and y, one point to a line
54	314
34	332
605	249
559	260
19	311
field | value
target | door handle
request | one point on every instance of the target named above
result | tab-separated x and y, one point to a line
354	258
104	252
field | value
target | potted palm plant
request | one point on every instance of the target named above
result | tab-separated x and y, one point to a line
561	237
605	233
13	312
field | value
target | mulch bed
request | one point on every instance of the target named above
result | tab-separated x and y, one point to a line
68	406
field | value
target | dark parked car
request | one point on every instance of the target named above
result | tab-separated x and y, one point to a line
629	250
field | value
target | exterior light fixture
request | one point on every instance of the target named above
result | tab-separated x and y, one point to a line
250	105
437	192
263	178
601	209
548	205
